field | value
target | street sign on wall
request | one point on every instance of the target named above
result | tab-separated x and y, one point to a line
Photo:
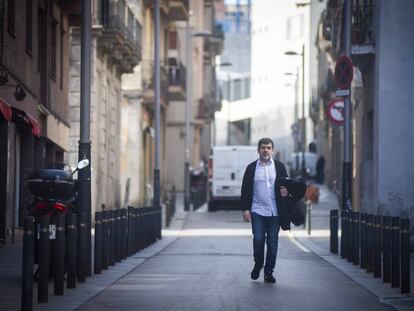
336	111
344	72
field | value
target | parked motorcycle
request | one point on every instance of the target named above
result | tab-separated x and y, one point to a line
55	193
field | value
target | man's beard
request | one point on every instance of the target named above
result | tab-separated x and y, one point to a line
265	158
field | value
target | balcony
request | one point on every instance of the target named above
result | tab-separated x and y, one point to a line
215	43
363	29
149	87
176	80
121	35
206	107
164	5
178	10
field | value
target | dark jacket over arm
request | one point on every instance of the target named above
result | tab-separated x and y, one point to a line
246	198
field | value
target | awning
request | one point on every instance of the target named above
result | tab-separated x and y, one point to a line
35	125
5	110
26	120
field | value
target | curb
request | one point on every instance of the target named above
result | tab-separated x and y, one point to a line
386	294
75	298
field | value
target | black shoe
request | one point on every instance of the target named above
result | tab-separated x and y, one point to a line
268	278
255	272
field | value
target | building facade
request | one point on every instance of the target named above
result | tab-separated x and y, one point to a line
116	49
381	44
34	111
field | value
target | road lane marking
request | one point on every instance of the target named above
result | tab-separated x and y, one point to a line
299	245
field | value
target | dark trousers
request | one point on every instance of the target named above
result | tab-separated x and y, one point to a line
265	229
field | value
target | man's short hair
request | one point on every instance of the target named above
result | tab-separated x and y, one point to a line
265	141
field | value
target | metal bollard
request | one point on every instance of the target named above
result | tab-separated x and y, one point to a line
350	238
60	246
135	219
344	223
118	241
140	228
370	247
395	246
28	259
386	249
308	217
130	233
82	247
105	240
151	225
160	223
97	267
356	233
167	211
377	245
44	256
334	231
363	239
124	234
112	238
72	233
405	256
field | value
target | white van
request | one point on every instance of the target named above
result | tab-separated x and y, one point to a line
226	169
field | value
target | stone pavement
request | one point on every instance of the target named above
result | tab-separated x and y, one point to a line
318	243
193	267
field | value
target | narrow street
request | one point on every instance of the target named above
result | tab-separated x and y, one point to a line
207	267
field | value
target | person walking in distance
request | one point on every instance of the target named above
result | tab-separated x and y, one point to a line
261	201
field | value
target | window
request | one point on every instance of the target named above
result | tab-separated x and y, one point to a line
29	10
11	17
62	39
40	38
53	50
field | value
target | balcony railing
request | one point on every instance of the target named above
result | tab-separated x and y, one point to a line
363	23
148	74
216	41
122	29
362	36
176	80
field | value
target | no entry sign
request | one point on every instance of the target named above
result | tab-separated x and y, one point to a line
336	111
344	72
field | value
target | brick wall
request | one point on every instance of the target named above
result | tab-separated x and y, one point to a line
22	63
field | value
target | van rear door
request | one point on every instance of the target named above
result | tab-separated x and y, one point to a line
229	165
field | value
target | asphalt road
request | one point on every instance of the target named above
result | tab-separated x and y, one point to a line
208	268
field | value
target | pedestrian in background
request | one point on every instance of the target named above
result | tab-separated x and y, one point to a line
261	201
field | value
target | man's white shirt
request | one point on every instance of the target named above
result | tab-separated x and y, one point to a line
264	201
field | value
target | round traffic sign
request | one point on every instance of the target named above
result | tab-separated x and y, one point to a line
336	111
344	72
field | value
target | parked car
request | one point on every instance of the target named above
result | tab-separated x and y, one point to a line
227	165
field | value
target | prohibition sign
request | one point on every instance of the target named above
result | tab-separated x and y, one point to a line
344	72
336	111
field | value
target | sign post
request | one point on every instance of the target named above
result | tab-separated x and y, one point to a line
344	72
336	111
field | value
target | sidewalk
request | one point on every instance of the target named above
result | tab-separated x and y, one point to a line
318	243
10	273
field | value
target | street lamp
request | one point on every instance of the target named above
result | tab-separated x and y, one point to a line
188	102
295	127
303	123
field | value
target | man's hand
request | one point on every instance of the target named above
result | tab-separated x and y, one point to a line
246	216
283	191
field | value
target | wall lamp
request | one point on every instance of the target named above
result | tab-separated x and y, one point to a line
19	92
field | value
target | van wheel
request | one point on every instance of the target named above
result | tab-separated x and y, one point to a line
211	206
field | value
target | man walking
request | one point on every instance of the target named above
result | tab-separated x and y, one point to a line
261	200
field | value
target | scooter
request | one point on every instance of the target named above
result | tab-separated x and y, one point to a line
55	193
